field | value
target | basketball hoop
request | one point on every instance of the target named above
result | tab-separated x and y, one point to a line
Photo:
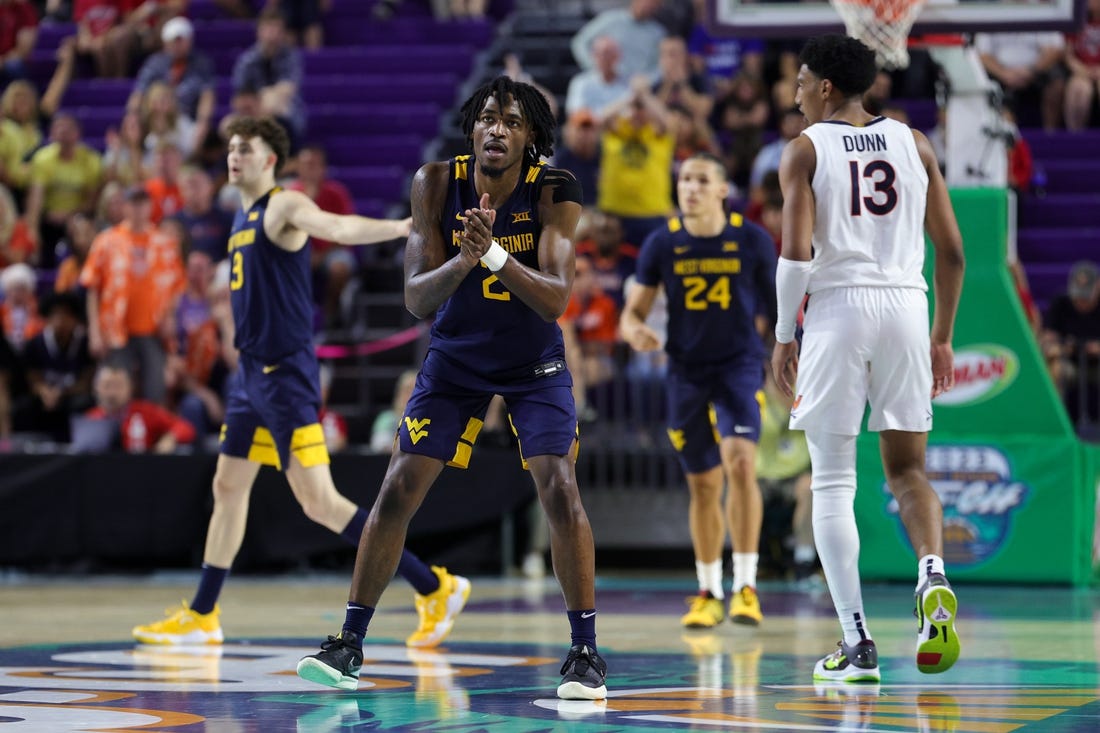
883	25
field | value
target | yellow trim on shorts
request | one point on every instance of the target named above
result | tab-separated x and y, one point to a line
308	444
263	448
464	450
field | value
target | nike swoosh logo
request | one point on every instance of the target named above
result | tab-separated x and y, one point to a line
270	368
680	250
588	615
742	429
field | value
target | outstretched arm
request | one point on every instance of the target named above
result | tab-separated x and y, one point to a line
295	210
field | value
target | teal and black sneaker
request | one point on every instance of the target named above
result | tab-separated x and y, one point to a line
337	664
937	643
857	663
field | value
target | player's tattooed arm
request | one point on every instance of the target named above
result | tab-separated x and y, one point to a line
430	277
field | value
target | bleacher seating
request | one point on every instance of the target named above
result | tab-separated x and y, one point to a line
1061	223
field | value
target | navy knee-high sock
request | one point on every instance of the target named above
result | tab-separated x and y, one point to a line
210	587
417	573
354	530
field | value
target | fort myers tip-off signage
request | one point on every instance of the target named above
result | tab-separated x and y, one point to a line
982	371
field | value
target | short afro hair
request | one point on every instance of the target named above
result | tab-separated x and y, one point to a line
846	62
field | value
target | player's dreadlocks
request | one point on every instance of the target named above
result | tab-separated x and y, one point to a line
532	104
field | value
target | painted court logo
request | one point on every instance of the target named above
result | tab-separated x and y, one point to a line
980	497
982	371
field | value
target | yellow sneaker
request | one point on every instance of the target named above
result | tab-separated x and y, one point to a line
183	626
745	607
705	612
438	610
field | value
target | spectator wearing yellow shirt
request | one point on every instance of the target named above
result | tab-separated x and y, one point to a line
66	176
636	154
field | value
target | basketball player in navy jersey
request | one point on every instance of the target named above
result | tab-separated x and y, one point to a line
718	271
859	192
274	396
491	252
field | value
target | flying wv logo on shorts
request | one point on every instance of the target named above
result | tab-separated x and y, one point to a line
417	428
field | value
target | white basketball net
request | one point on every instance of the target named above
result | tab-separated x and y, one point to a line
883	25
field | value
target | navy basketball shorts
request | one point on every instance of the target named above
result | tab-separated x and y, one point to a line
271	411
706	405
443	419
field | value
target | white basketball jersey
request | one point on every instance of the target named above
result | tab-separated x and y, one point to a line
871	191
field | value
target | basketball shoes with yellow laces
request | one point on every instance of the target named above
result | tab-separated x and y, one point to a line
745	607
437	611
182	626
705	613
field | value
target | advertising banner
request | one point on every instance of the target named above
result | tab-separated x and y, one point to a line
1017	485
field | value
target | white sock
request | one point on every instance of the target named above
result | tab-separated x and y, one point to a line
833	458
710	577
744	569
928	565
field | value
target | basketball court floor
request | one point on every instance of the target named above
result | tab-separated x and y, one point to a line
66	662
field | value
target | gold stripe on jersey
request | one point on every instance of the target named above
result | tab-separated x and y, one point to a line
263	449
308	444
736	219
461	163
674	224
534	171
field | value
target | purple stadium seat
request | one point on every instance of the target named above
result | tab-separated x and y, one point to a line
403	88
97	93
1057	245
340	32
373	119
1064	210
1078	175
385	60
213	35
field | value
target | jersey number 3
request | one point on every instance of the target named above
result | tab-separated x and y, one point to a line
882	175
236	278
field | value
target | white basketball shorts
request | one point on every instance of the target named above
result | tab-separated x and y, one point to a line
865	345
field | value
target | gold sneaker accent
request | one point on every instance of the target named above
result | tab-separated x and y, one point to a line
437	611
705	612
182	626
745	607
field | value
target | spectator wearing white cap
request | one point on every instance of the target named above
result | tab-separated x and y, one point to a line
19	310
190	73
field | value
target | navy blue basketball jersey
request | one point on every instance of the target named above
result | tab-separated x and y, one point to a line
270	288
483	327
715	286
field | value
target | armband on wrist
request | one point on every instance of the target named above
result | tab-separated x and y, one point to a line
495	258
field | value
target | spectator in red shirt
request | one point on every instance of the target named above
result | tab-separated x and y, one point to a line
18	33
1083	61
144	427
333	267
101	35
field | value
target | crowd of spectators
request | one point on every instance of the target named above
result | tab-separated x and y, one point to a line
114	299
114	257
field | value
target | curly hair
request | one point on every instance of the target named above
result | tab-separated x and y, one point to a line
535	109
268	130
846	62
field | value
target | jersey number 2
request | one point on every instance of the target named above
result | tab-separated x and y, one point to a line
486	286
882	175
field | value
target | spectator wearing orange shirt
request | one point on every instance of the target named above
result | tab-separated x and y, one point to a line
144	427
595	318
164	185
134	277
81	231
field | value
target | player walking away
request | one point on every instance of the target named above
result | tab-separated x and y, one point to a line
719	273
860	190
274	396
491	249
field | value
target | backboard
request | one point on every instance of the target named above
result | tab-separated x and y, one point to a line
788	19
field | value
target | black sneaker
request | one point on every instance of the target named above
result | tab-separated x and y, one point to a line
857	663
583	674
337	664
